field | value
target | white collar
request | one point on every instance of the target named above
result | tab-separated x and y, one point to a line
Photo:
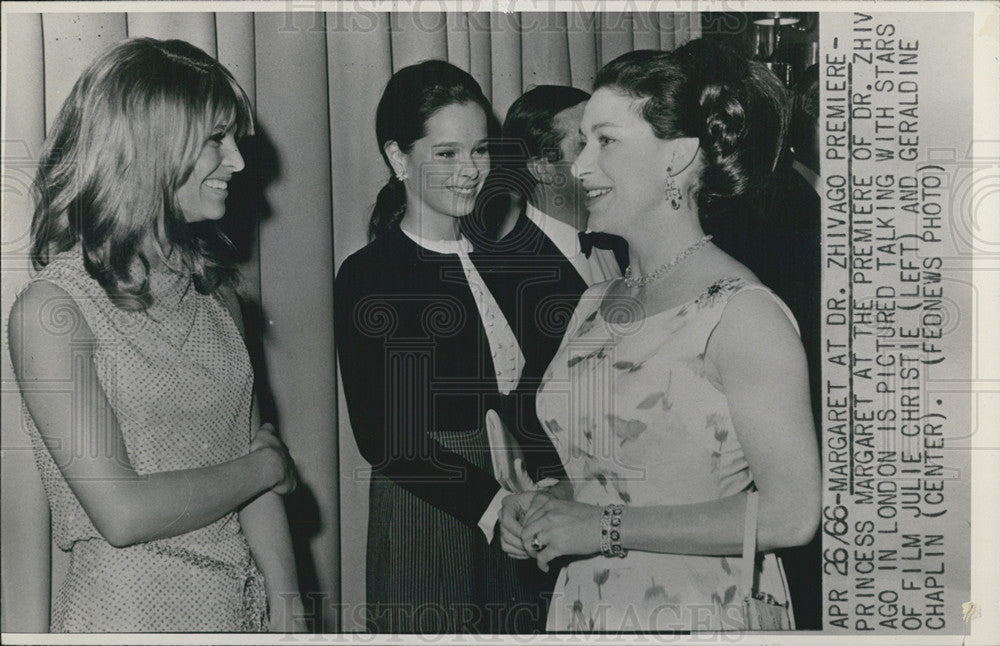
462	245
565	237
807	174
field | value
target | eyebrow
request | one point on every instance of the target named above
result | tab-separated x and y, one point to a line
604	124
455	144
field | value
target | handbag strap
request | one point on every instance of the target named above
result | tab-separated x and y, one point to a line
750	542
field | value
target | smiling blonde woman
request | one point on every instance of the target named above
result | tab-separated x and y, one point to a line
162	489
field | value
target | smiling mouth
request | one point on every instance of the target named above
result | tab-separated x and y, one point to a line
464	192
217	184
594	193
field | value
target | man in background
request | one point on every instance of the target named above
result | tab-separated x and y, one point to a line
535	254
540	142
533	224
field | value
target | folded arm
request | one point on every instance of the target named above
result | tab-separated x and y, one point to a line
125	507
392	434
265	525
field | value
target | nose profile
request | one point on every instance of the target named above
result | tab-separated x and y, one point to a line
581	165
233	159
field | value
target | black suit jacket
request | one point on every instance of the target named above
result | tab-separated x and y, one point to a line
538	289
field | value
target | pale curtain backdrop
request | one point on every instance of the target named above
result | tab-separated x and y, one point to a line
315	79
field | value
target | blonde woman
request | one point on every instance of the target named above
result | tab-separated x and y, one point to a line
161	487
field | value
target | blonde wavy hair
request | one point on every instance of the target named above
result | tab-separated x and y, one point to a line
125	140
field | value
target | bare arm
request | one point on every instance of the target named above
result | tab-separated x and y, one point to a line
266	527
763	372
25	539
126	508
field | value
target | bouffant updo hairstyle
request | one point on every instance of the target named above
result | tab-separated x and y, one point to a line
736	108
125	140
410	98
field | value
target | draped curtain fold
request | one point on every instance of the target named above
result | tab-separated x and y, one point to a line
314	79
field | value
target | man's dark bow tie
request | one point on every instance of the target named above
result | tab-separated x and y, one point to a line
592	239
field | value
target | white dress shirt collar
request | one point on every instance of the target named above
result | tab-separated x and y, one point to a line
807	174
562	235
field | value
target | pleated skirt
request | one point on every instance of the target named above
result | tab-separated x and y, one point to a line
428	572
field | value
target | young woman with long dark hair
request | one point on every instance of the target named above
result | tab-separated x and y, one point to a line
424	352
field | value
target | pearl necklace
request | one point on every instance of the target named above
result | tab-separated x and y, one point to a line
634	281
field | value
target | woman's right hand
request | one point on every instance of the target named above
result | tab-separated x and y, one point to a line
512	511
266	439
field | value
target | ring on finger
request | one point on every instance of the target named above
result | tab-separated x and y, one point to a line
536	544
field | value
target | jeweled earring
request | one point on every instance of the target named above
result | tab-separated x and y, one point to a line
401	175
671	191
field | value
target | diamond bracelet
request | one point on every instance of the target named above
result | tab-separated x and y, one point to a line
611	520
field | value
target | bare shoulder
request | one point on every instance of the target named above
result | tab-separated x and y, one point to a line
754	327
37	293
44	321
49	308
757	306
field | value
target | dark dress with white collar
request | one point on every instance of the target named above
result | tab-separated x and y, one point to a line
419	378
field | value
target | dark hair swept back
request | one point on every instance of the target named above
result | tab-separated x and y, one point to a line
410	98
124	141
529	131
736	108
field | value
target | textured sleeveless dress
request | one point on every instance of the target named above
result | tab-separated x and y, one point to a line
638	422
178	380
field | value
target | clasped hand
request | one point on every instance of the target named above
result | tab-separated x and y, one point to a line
539	525
266	439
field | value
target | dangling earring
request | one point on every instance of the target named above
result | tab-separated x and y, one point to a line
671	191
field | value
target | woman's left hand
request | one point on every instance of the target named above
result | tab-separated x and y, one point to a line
560	528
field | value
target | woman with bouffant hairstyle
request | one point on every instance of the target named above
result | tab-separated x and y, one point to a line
679	397
168	507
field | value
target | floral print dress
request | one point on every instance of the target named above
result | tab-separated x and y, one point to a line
637	421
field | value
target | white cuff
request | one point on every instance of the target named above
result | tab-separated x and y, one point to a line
489	520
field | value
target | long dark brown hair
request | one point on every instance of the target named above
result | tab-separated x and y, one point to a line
410	98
